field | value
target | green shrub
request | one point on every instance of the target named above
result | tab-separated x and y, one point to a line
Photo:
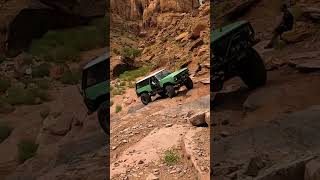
70	78
18	96
41	71
26	150
130	52
43	84
133	74
131	85
4	84
123	83
44	113
5	132
171	157
65	45
118	108
118	91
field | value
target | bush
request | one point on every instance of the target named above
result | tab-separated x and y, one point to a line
171	157
26	150
70	78
117	91
130	52
123	83
131	85
5	132
43	84
65	45
41	71
132	75
118	108
4	84
19	96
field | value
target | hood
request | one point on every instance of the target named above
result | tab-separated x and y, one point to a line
178	72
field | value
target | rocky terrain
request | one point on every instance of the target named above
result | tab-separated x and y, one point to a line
45	132
168	138
271	132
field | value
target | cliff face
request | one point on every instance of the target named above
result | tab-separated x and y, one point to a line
147	10
169	33
23	20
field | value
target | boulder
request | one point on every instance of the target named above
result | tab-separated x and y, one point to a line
181	36
196	44
312	170
312	13
196	29
208	118
198	119
152	177
120	64
58	126
255	165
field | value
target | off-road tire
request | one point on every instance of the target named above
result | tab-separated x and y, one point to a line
145	98
162	94
253	71
189	83
170	91
103	112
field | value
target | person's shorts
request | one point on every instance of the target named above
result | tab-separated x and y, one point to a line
281	29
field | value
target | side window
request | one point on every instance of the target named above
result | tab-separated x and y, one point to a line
97	73
143	83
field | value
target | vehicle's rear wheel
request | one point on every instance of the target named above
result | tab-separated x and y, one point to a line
253	71
103	113
145	98
189	83
170	91
162	94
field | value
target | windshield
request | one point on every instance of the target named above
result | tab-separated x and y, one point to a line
162	74
95	74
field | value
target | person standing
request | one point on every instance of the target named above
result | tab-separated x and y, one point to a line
285	25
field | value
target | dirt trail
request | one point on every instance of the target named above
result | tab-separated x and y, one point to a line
140	135
247	121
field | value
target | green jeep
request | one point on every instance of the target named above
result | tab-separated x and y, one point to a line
233	55
164	83
95	89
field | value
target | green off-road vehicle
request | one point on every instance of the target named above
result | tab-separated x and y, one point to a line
164	83
233	55
95	89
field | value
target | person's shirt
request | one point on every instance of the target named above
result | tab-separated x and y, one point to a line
287	19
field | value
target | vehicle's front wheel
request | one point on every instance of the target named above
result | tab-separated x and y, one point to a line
103	112
170	91
189	83
253	71
145	98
